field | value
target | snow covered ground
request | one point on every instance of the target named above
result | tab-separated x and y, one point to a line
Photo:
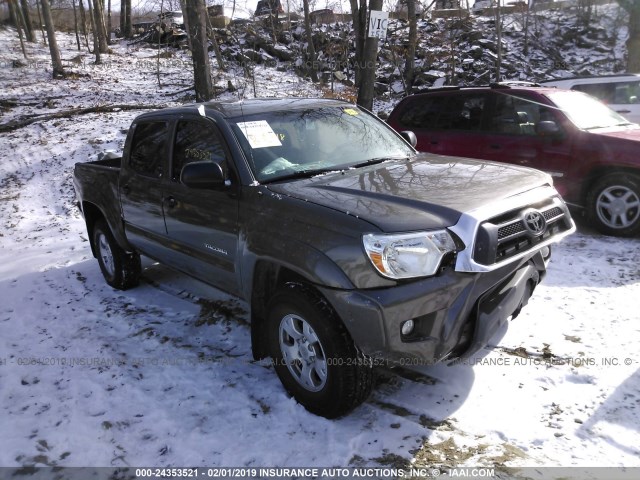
162	374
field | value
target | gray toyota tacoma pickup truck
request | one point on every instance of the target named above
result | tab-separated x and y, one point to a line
351	248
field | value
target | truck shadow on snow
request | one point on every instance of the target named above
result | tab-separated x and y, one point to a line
615	414
163	375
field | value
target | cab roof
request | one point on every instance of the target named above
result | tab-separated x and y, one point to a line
241	108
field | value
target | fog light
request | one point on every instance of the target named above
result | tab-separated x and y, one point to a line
546	252
407	327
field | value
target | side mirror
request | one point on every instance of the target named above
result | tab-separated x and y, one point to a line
202	175
547	128
410	137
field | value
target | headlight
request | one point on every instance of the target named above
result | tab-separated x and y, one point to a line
408	255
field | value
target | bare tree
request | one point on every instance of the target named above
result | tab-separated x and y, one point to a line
123	10
83	24
12	10
369	62
128	28
214	41
13	20
100	28
633	41
75	23
109	23
44	38
30	32
498	41
96	44
56	62
359	18
196	14
183	6
409	66
311	50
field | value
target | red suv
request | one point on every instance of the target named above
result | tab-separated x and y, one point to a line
592	153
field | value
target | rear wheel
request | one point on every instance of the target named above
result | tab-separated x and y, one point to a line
613	205
120	269
314	355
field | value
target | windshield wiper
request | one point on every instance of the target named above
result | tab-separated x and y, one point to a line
374	161
302	174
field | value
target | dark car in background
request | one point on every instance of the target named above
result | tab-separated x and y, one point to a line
592	152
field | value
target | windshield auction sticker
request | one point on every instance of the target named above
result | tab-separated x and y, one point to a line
259	134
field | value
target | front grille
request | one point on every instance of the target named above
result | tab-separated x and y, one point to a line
512	229
507	235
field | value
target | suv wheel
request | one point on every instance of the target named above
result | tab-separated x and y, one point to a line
314	355
120	269
613	205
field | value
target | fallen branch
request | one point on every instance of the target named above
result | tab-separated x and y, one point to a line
23	122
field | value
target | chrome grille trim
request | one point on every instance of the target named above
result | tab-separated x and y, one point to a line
469	225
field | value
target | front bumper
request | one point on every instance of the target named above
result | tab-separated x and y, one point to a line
455	313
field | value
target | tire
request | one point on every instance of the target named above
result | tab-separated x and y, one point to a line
120	269
303	328
613	205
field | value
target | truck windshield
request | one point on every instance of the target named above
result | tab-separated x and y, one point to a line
585	111
311	141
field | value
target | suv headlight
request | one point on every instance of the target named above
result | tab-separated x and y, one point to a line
408	255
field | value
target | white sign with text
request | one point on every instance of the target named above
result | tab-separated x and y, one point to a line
378	22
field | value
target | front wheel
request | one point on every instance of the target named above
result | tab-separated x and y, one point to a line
613	205
314	355
120	269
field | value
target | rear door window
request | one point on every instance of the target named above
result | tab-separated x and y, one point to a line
148	148
424	112
446	112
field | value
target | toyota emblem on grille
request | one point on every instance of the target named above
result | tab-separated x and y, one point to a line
534	222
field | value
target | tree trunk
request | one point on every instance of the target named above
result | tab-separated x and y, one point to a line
359	17
109	23
100	30
311	50
633	41
214	41
368	68
183	5
75	23
30	32
196	13
498	42
13	20
58	70
44	38
123	9
409	66
13	9
83	24
96	44
128	28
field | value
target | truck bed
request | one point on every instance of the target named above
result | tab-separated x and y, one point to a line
97	183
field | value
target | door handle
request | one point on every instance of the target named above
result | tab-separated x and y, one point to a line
434	142
171	202
623	111
495	146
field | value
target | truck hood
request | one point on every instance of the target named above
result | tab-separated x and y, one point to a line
425	192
